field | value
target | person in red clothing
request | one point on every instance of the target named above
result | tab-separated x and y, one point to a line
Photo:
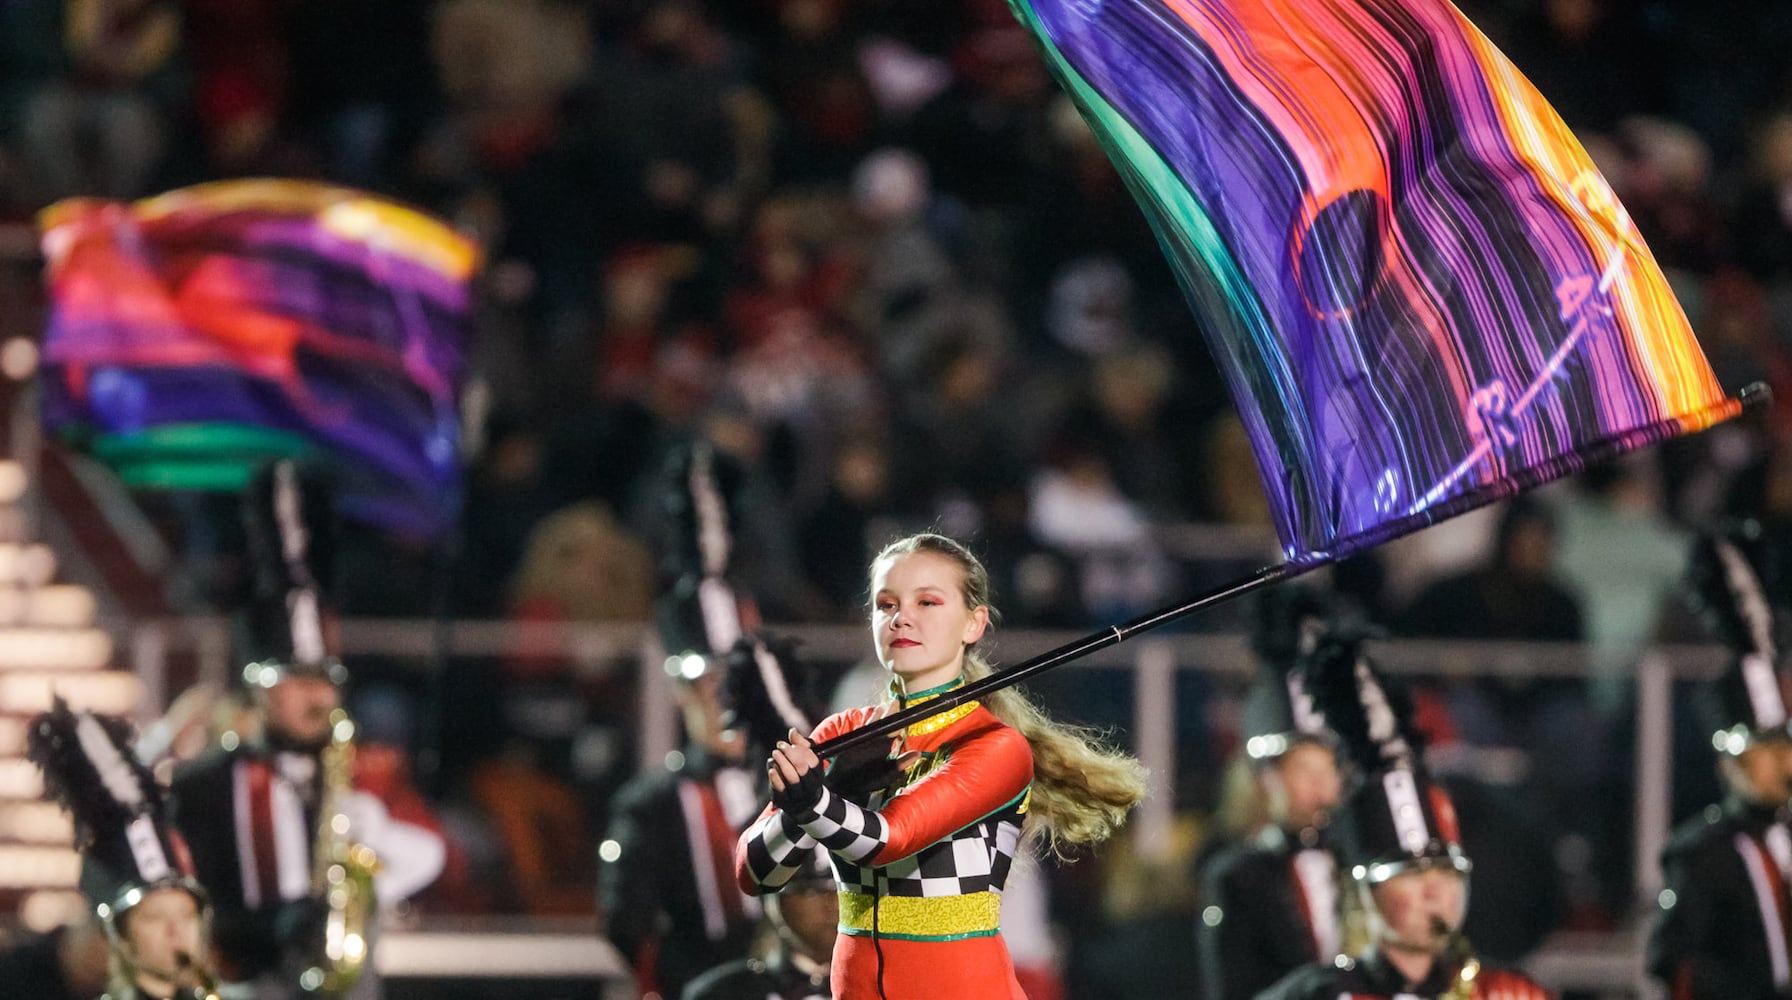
923	835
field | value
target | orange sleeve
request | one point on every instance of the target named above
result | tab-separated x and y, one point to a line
980	775
1501	984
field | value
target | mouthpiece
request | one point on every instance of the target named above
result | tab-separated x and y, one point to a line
1456	943
186	967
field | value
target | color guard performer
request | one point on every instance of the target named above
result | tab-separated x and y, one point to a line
924	828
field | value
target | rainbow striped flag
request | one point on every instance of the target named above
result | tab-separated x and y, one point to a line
198	333
1423	294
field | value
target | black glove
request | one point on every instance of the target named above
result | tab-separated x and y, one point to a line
800	799
860	771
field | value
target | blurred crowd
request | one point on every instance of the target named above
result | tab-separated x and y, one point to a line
868	249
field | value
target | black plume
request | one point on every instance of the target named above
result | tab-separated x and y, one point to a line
89	768
700	484
1371	716
1729	584
1280	617
769	690
290	529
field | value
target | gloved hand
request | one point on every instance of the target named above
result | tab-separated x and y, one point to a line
874	766
796	775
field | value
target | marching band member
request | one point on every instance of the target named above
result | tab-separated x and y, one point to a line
1270	902
263	810
1722	927
134	869
802	917
1399	843
666	893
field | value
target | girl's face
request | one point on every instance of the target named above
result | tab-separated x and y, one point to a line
919	620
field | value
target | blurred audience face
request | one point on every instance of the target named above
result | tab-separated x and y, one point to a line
635	293
920	622
1779	481
1762	774
1130	387
581	562
891	187
1231	470
1529	548
1574	19
968	379
862	472
1303	786
161	937
1409	908
809	19
298	711
1773	150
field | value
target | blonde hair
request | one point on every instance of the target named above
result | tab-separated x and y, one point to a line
1082	787
583	560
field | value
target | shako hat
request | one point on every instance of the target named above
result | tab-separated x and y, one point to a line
770	690
1732	584
128	849
1395	817
1278	712
697	612
290	528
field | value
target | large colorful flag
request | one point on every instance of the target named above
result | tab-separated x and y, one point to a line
196	334
1423	294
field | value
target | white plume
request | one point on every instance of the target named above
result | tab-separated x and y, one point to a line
1751	602
111	766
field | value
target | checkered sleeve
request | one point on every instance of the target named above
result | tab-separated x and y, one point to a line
844	828
770	852
984	773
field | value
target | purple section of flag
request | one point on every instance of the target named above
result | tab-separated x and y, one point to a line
252	305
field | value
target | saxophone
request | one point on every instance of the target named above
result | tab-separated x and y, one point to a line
1462	987
190	970
341	875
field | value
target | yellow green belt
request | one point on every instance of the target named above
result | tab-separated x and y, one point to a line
921	918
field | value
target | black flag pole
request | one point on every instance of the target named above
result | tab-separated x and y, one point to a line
1112	635
1753	397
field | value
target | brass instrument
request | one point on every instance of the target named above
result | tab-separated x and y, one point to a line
1462	987
341	875
190	970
